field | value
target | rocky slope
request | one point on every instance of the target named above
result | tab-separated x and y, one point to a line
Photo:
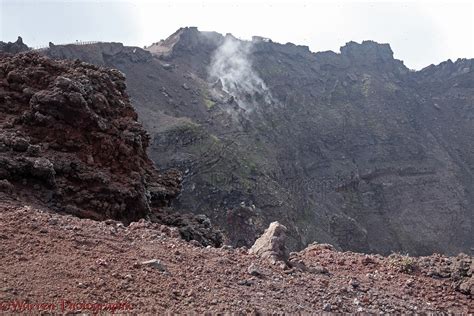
352	149
59	263
69	138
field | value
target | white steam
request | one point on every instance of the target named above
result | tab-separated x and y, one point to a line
231	65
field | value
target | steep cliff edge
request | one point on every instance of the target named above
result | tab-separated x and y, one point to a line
349	148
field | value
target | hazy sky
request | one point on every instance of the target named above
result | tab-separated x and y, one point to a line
419	32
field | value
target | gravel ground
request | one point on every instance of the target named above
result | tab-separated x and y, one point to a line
60	263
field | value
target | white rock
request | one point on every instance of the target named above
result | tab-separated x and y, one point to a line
271	244
154	263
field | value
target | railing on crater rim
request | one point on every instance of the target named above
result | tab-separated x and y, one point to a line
42	48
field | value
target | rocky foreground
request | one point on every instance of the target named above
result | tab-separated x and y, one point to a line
64	262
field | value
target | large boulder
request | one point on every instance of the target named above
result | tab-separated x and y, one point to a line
271	244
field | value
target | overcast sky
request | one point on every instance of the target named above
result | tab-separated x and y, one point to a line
419	32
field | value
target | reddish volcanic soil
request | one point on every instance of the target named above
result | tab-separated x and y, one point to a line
60	260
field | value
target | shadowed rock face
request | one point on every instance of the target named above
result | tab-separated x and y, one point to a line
351	149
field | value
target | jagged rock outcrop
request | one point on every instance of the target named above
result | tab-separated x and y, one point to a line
69	137
271	244
349	148
14	47
370	54
69	127
98	53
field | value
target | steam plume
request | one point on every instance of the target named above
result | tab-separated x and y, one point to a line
231	65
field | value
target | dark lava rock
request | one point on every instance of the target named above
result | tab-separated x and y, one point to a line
14	47
88	153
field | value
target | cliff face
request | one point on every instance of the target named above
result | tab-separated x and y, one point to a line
351	149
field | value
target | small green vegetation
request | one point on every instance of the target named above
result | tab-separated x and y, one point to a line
209	103
366	83
391	87
252	167
207	100
403	263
